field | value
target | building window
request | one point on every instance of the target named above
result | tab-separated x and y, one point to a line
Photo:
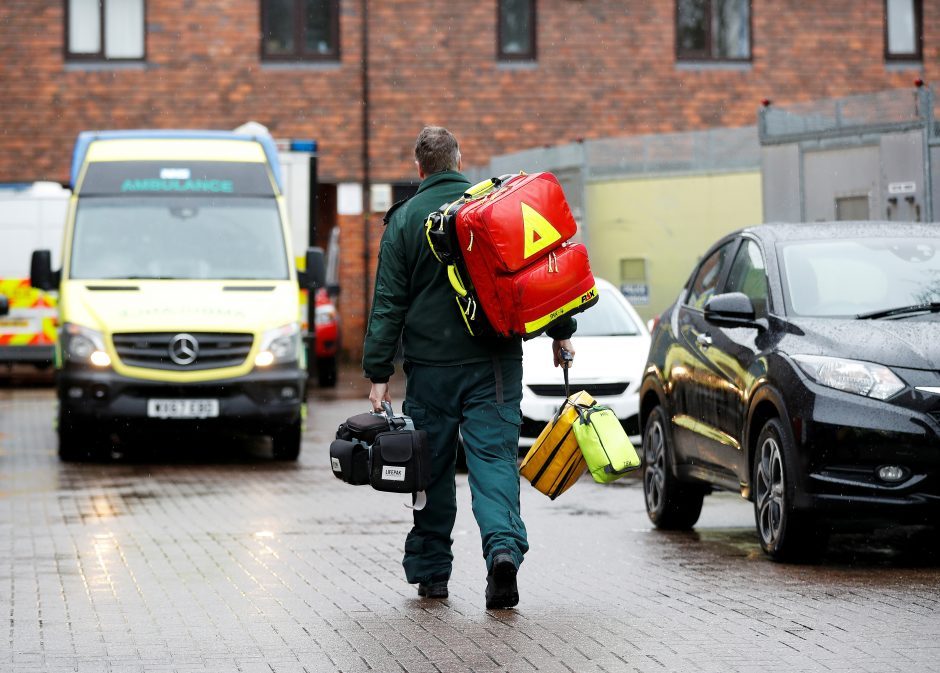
516	38
903	32
634	281
105	30
852	208
300	30
713	30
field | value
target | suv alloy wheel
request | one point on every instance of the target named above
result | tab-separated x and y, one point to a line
670	504
785	533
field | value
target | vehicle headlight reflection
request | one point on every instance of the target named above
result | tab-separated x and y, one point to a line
279	345
84	345
852	376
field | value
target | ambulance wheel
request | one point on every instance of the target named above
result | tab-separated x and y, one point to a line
326	372
670	504
285	442
77	443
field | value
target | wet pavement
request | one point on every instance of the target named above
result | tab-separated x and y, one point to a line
196	557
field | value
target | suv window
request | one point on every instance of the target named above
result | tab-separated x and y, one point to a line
749	275
708	275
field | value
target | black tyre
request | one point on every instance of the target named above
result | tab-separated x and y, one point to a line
78	442
670	504
285	442
326	372
785	533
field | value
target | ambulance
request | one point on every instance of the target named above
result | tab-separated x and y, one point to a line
177	305
31	216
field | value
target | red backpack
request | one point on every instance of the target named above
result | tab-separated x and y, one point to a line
508	257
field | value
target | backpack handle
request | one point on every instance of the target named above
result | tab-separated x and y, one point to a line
566	359
481	188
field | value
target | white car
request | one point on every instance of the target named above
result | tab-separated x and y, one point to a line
612	344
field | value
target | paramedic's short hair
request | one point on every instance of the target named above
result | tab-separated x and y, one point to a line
436	150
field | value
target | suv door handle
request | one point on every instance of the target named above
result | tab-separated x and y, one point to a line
704	340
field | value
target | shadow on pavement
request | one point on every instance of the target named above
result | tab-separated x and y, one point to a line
26	376
188	450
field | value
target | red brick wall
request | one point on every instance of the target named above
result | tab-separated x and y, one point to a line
605	68
357	284
202	70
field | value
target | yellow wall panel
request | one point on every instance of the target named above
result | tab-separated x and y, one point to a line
669	221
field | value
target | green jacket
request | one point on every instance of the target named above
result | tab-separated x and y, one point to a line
413	299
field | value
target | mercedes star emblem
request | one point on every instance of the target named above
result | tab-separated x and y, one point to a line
183	349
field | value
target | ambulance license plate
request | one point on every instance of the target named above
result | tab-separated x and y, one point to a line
182	408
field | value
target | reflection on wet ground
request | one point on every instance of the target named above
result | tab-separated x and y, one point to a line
888	547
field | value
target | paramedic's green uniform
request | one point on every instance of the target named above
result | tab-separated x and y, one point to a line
453	382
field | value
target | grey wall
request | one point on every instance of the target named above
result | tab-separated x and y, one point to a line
780	183
833	173
902	163
883	174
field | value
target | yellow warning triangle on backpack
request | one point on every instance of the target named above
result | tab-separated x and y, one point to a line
537	231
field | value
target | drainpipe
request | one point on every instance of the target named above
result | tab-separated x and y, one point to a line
366	182
925	95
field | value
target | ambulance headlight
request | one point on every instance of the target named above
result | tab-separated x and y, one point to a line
84	345
279	345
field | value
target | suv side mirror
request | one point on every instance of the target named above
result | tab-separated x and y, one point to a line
4	304
315	275
733	309
40	271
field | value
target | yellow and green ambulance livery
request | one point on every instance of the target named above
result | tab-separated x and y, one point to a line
177	293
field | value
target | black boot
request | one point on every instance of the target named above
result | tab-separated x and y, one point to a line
501	589
433	589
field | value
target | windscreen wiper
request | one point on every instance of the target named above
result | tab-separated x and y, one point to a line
913	309
147	278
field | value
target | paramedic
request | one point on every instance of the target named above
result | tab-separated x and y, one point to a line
453	382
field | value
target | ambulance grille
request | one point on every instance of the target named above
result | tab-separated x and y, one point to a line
593	389
213	350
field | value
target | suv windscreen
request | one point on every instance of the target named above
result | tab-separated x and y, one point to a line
185	237
855	276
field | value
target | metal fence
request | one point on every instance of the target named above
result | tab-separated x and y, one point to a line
726	149
892	110
712	150
722	149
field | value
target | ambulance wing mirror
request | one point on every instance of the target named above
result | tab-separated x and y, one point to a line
315	275
4	304
41	275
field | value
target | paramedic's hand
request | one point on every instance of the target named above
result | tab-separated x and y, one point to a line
557	345
379	394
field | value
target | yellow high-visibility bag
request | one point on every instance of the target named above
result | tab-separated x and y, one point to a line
555	462
605	446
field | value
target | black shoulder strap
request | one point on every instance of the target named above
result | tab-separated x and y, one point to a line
395	206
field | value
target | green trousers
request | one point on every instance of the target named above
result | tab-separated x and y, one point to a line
481	402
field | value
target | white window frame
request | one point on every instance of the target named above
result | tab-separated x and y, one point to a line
897	11
105	30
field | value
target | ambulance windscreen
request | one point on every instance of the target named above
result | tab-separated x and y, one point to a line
178	238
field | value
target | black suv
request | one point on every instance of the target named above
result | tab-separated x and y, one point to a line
800	366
